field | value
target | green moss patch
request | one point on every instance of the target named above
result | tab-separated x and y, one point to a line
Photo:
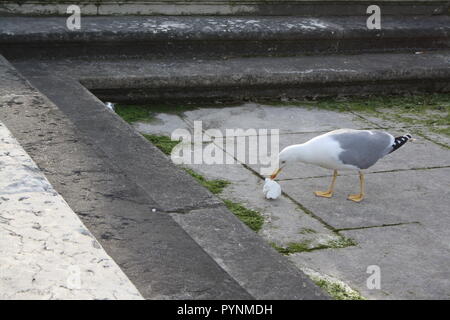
445	130
307	231
146	112
293	247
133	113
215	186
253	219
163	143
337	290
335	244
429	110
409	103
306	246
419	102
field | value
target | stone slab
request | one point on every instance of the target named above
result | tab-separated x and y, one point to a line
436	137
285	119
413	263
392	197
271	276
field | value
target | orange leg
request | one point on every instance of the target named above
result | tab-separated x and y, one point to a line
360	196
329	192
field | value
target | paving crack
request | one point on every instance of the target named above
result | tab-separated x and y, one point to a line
420	134
189	209
367	173
378	226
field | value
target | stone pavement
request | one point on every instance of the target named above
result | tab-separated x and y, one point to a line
173	238
401	226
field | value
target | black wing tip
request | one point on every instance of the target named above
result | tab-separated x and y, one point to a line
399	141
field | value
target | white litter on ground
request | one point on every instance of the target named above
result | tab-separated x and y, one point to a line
109	105
272	189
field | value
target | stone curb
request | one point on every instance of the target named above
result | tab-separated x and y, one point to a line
28	37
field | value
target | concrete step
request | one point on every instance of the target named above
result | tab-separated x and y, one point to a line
247	78
225	7
206	37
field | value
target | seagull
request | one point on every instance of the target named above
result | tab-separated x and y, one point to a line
343	149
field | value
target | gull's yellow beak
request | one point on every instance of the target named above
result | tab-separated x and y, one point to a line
274	175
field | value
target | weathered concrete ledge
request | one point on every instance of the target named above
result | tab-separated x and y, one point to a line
224	7
28	37
139	80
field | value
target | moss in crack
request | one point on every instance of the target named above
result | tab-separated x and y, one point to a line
340	104
445	130
429	110
306	246
253	219
163	143
342	242
132	113
215	186
293	247
337	290
372	103
146	113
307	231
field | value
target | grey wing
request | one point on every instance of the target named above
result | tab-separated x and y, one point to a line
363	148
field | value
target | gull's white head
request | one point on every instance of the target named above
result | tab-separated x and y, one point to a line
286	156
